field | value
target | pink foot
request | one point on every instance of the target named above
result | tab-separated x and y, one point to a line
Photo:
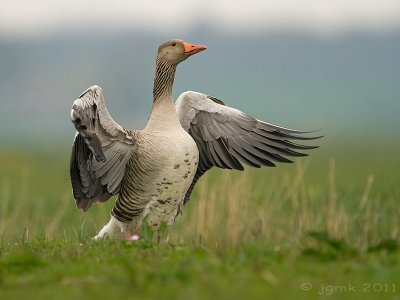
133	237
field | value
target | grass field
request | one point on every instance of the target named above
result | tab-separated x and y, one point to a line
326	227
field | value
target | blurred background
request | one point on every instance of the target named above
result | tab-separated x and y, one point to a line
331	65
307	65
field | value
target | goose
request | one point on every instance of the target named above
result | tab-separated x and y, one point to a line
154	170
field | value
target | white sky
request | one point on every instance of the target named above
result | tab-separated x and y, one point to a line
27	17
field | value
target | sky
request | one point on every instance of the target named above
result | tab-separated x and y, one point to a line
19	18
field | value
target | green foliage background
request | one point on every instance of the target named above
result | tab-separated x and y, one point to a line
330	220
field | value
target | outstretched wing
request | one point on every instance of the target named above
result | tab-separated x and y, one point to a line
227	137
100	151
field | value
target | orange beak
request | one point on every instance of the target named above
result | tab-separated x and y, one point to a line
193	49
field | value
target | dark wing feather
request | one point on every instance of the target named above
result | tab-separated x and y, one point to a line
100	151
227	137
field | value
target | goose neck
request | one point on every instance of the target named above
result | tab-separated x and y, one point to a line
163	80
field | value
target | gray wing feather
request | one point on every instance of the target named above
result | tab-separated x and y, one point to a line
227	137
100	151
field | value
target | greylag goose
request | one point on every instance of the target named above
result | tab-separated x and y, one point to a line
154	170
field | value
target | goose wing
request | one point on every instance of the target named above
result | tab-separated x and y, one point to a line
227	137
100	151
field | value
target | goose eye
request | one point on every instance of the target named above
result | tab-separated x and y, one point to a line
173	44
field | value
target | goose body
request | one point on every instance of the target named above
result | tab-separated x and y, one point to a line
153	171
158	175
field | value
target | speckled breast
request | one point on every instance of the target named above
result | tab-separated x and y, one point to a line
157	181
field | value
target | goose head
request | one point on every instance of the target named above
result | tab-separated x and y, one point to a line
176	51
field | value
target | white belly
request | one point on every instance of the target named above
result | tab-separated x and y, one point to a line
180	159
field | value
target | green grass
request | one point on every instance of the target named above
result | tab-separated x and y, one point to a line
331	222
106	270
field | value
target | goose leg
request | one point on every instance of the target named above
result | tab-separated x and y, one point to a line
158	236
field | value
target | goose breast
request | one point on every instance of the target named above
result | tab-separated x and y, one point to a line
158	175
